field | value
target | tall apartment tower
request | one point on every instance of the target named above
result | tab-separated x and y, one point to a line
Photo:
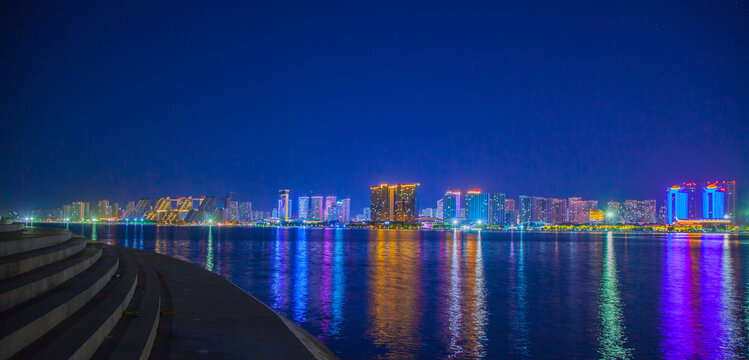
676	204
713	202
303	207
394	202
477	206
284	210
451	204
525	209
316	208
496	208
330	202
730	196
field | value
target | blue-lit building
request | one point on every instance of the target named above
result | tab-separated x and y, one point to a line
713	202
676	204
451	205
477	206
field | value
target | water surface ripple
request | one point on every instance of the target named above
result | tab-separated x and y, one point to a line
468	295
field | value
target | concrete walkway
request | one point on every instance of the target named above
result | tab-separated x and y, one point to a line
204	316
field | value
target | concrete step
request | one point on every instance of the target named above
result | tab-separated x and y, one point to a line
11	231
25	323
23	287
79	336
34	238
134	335
13	265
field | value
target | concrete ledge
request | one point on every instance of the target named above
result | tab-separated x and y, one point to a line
32	239
20	263
29	321
209	317
26	286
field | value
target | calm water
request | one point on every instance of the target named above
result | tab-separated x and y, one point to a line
428	294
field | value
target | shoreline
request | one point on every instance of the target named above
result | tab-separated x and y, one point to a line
592	229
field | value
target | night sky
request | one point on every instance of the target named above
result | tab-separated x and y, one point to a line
126	100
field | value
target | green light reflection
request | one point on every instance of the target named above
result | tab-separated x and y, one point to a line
612	339
209	256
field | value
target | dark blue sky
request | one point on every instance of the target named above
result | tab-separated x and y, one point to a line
124	100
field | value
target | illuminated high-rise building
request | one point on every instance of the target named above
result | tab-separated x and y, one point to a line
367	213
330	202
649	211
439	212
116	210
539	208
103	209
477	206
284	210
394	202
509	204
80	210
316	208
379	202
730	198
632	211
345	210
525	213
676	204
639	212
662	214
496	208
405	202
557	211
303	204
233	211
579	209
451	204
713	202
335	213
691	190
245	211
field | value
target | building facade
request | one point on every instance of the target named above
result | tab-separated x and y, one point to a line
316	208
303	207
451	204
497	208
477	206
713	202
394	203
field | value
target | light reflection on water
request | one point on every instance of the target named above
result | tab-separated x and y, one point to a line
429	294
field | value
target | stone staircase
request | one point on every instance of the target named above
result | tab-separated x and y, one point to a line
65	297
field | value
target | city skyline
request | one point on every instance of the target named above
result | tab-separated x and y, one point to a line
399	203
